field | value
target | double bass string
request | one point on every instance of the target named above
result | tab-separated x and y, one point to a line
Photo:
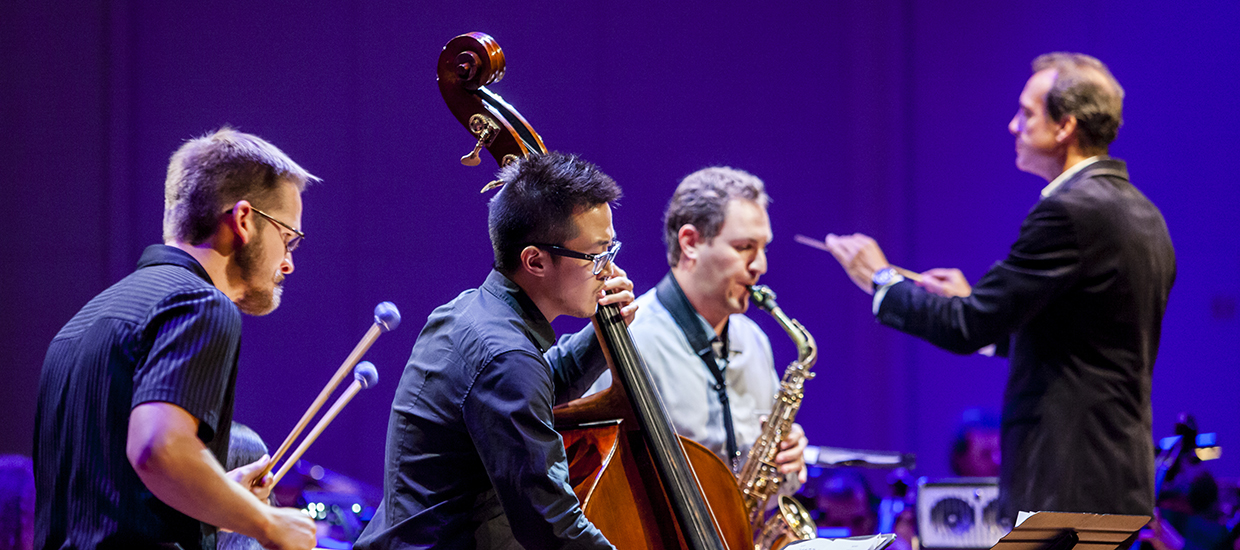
662	439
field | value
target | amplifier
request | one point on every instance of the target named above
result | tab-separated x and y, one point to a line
959	512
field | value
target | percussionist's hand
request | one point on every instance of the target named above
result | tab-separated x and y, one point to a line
618	289
791	457
945	282
860	256
246	475
289	529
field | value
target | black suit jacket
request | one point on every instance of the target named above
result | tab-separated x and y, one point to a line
1081	296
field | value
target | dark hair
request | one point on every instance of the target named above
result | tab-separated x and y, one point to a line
244	447
536	204
207	174
845	484
1196	485
842	485
702	199
1084	88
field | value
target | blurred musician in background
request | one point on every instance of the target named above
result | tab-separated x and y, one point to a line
716	230
245	446
16	503
976	448
1188	510
844	504
136	394
1079	301
473	459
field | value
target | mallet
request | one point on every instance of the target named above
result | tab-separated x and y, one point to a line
364	376
387	318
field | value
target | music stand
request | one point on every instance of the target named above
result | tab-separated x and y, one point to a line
1068	531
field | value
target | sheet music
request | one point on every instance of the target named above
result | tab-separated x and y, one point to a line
869	542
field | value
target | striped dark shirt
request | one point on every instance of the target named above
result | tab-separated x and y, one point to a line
162	334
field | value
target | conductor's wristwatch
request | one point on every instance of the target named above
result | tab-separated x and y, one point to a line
886	276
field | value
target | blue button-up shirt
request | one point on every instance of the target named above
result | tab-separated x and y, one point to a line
472	458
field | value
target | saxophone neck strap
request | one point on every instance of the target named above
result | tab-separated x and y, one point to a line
673	299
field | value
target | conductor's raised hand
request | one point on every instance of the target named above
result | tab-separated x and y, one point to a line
860	257
946	282
618	289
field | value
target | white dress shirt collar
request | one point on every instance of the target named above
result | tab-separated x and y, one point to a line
1067	174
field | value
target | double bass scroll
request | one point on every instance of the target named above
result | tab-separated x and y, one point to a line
467	65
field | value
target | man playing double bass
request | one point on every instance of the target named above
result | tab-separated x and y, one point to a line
473	459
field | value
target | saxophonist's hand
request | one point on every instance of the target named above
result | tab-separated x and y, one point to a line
791	457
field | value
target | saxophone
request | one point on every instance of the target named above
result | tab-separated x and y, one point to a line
759	479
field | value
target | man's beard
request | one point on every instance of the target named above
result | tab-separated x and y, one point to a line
258	299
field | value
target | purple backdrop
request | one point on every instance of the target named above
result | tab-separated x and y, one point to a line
886	117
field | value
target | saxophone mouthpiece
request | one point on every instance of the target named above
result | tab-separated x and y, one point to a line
763	296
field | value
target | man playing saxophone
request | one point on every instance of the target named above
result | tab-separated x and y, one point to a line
713	366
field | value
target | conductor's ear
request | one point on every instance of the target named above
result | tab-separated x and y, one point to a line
1067	129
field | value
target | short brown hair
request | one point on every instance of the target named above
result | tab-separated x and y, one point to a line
218	169
702	199
1085	89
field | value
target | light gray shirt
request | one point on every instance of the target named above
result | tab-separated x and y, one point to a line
687	387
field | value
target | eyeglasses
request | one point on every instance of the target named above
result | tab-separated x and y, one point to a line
292	243
600	260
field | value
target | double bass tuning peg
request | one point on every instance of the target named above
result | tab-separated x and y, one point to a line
485	130
472	159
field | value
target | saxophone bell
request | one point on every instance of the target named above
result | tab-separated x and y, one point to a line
790	523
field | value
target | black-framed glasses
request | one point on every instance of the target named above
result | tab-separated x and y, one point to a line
292	243
600	260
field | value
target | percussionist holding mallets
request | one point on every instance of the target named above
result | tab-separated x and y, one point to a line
136	393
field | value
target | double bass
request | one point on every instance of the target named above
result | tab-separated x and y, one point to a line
639	482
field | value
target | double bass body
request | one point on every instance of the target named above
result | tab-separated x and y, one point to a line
633	519
614	472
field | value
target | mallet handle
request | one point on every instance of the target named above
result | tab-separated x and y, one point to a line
362	346
318	428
